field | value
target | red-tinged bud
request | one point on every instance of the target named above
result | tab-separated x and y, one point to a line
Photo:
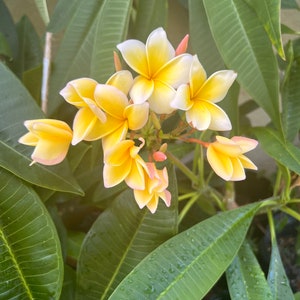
182	47
117	62
159	156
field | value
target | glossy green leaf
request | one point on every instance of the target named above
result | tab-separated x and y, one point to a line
43	10
268	12
93	33
119	239
31	264
277	279
246	48
189	264
201	38
16	105
282	151
149	16
245	278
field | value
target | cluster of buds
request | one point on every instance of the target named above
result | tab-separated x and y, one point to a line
126	114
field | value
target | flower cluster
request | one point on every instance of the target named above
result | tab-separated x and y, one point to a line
126	114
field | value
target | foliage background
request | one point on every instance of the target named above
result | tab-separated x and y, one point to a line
42	243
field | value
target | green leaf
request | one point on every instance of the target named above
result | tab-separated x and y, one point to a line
94	31
268	12
31	264
189	264
43	10
246	48
245	278
277	279
119	239
289	4
282	151
149	16
17	105
201	38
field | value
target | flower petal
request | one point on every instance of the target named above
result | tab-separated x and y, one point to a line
119	153
142	197
134	53
219	119
238	170
114	137
159	50
220	163
247	163
141	90
122	80
137	115
160	100
152	204
245	143
176	71
216	86
113	175
111	100
136	177
199	116
197	76
182	99
76	89
29	139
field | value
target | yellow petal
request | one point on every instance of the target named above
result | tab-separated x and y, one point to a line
29	139
136	178
119	153
238	170
176	71
199	116
247	163
137	115
76	89
218	118
220	163
245	143
160	100
197	76
113	175
113	138
142	197
141	90
182	99
159	50
216	86
134	53
95	109
152	204
50	152
166	196
111	100
122	80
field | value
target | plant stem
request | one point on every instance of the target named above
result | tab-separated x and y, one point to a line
291	212
187	207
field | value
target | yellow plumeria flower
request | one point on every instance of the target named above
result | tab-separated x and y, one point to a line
226	157
123	162
121	114
51	139
156	183
198	98
160	71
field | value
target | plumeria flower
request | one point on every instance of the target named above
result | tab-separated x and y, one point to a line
198	98
123	162
156	183
51	139
121	114
159	70
226	157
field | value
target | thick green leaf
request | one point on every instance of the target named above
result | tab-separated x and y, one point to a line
189	264
88	44
16	105
43	10
277	279
245	278
119	239
246	48
289	4
201	39
268	11
282	151
149	16
291	96
31	264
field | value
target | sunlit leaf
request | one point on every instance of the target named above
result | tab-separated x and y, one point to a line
268	11
282	151
277	279
30	256
246	48
245	278
16	105
119	239
189	264
93	33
